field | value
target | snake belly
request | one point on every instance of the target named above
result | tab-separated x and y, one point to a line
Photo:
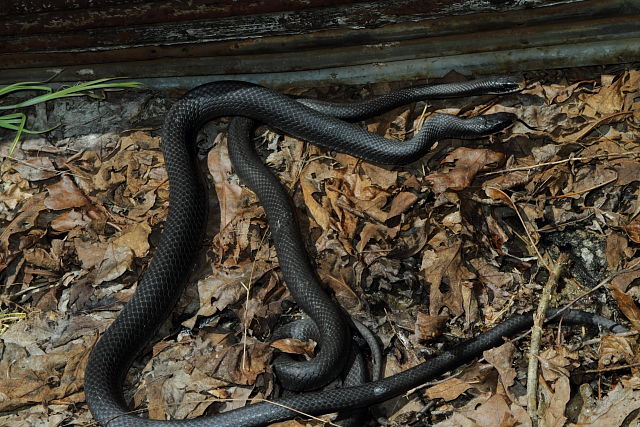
168	271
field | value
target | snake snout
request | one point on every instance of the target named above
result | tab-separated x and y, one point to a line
508	84
497	122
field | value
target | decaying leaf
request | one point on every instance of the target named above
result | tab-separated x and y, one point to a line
228	191
467	163
294	346
627	306
415	250
447	390
64	194
611	410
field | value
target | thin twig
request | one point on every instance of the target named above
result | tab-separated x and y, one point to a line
246	303
586	190
609	156
536	335
611	368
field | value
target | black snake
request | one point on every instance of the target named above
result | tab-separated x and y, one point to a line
161	285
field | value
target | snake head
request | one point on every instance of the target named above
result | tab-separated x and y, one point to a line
505	85
494	123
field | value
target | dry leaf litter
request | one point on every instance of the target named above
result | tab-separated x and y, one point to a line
425	255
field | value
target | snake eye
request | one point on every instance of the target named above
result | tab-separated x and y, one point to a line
505	85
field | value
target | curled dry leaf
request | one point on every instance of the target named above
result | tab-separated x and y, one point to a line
23	221
225	287
467	163
501	358
295	346
237	364
508	180
633	230
227	190
610	410
400	203
615	349
627	306
119	253
319	213
36	169
555	402
429	327
69	220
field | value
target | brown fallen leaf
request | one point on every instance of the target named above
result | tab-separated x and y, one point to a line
447	390
429	327
609	99
627	169
493	412
508	180
491	276
341	290
90	254
22	222
226	286
382	177
611	410
117	259
32	379
227	190
467	163
615	349
43	258
64	194
317	211
607	119
237	364
295	346
633	230
68	220
501	358
615	249
36	169
555	402
400	203
444	271
623	280
627	305
136	239
371	232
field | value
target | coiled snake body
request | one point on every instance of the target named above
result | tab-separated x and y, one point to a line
162	282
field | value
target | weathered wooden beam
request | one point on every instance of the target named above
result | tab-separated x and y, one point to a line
329	40
172	22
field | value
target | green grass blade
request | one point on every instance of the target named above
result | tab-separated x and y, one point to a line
19	131
17	121
76	90
22	86
28	85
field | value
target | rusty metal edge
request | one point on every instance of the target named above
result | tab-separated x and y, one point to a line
599	30
502	62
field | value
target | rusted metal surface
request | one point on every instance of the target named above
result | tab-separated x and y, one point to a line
163	39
